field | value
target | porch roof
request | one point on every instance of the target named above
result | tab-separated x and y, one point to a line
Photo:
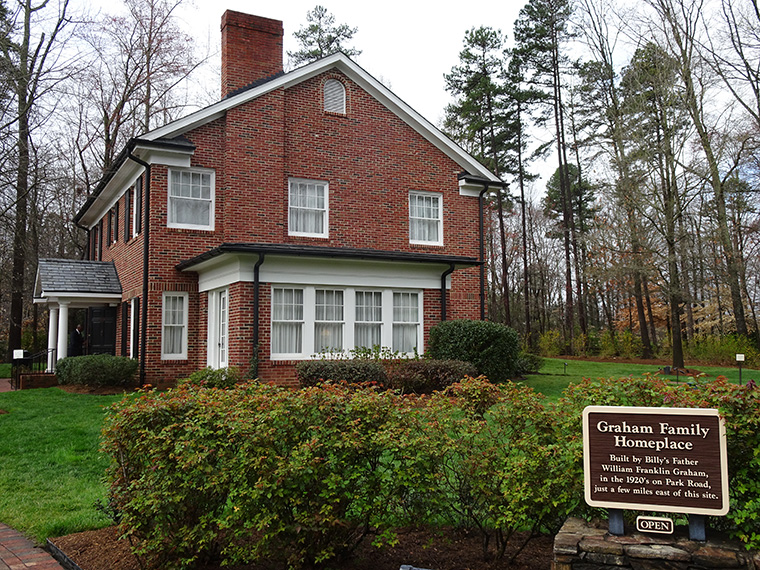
327	252
76	280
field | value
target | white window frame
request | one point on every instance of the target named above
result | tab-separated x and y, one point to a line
211	200
304	330
325	210
137	195
334	97
182	355
308	321
415	194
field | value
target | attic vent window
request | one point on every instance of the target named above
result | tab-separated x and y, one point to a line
335	97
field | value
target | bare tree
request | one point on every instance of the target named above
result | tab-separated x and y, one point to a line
29	57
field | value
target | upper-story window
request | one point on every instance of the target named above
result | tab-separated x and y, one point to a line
307	208
191	199
425	218
335	97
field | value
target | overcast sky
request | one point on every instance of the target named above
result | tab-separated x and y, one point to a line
408	45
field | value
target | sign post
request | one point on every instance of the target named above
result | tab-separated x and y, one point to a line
656	459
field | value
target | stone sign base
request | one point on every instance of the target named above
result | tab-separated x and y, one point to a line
589	546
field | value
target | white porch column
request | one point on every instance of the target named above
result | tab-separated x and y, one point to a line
63	329
52	338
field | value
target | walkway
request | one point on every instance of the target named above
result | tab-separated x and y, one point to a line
5	384
17	552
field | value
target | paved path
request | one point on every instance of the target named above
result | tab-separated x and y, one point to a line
5	384
17	553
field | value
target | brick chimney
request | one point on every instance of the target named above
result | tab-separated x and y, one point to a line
251	49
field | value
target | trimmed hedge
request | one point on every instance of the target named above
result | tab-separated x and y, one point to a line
97	370
356	371
428	376
493	348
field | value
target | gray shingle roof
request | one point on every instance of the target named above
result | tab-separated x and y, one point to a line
77	276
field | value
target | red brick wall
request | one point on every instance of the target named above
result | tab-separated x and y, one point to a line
371	160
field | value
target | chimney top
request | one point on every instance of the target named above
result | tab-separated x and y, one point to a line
251	49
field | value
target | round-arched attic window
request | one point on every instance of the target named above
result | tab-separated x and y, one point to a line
335	97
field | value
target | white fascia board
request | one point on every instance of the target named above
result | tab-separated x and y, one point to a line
361	78
228	269
473	189
77	300
126	175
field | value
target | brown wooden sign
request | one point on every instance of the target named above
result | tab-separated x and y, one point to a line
657	459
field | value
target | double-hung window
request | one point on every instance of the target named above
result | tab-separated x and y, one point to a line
174	326
425	218
307	207
406	321
191	199
369	319
287	320
328	320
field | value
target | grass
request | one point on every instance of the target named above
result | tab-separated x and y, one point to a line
52	472
554	376
5	370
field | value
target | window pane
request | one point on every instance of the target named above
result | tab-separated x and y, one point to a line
367	335
286	338
174	324
287	320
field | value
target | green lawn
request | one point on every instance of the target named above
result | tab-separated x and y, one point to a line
554	376
52	472
5	370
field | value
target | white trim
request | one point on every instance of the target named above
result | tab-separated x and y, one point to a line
132	323
186	302
211	200
233	268
438	196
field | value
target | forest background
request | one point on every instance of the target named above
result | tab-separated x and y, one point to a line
643	243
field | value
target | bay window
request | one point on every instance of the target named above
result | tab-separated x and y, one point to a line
308	320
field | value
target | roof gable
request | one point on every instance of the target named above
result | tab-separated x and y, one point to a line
355	73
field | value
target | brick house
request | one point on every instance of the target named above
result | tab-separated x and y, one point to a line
306	211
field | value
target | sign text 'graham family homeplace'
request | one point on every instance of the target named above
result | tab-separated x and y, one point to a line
657	459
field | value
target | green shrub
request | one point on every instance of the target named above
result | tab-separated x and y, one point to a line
492	347
359	371
97	370
198	475
529	363
550	344
500	468
722	350
427	376
224	378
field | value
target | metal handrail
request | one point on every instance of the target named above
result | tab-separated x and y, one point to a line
39	362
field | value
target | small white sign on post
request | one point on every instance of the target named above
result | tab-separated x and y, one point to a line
739	358
18	353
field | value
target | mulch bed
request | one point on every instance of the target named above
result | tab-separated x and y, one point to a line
445	550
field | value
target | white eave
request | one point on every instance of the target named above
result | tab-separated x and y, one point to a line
354	72
128	172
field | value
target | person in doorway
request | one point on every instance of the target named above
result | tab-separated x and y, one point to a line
77	342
